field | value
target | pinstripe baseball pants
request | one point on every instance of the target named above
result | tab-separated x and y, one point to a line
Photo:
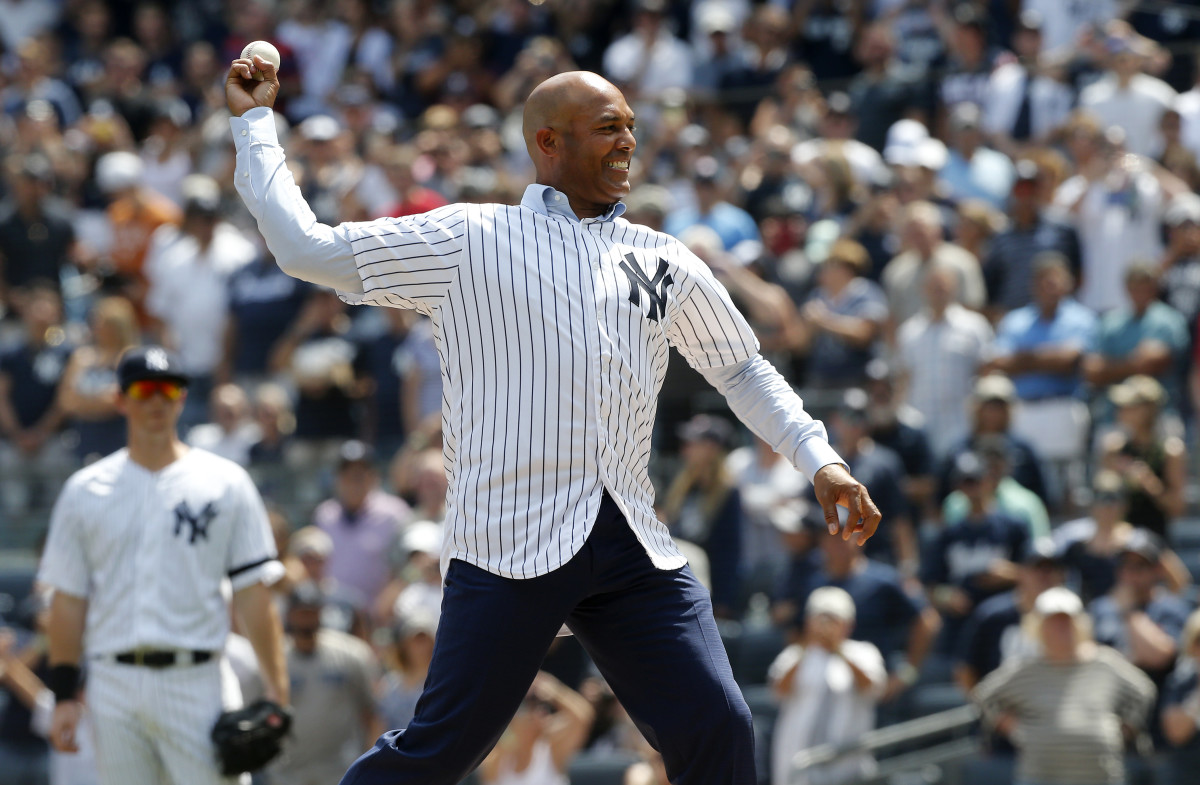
152	724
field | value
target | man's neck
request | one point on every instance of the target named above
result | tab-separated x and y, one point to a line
155	452
1049	311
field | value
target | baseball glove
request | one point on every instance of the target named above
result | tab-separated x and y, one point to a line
250	737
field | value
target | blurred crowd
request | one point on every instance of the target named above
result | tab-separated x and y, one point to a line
968	231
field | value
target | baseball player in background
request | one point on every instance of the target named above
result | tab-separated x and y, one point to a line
141	544
552	321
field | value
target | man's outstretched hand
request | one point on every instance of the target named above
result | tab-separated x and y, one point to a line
835	487
243	92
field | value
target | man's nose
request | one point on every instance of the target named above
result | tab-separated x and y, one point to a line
628	141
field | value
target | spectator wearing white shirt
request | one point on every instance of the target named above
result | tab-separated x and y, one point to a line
1025	102
1117	204
828	687
770	488
904	276
1063	23
230	431
1188	106
650	58
1128	98
939	351
188	269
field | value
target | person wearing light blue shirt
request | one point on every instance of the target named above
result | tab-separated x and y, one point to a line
1041	346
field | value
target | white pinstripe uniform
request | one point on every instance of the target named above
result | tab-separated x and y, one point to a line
155	554
553	336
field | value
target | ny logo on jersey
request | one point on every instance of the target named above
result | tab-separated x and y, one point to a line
656	288
197	524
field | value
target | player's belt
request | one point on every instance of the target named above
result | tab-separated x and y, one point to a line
154	658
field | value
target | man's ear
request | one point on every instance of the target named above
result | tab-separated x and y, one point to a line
547	141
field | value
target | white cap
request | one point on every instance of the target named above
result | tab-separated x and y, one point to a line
118	171
831	601
311	540
422	537
716	18
320	128
930	154
1058	600
903	138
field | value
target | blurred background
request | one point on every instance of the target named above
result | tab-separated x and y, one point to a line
967	232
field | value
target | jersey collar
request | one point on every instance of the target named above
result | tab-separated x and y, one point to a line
549	201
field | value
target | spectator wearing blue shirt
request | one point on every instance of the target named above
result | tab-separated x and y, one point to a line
1040	347
974	559
1148	337
892	614
731	223
973	170
843	319
1139	617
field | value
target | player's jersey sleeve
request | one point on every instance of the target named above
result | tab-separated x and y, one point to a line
64	560
408	262
252	557
405	262
705	326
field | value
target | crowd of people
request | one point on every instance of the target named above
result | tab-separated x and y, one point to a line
967	231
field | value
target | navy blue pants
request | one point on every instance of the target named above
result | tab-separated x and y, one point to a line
649	631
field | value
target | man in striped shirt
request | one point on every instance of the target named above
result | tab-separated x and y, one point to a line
553	320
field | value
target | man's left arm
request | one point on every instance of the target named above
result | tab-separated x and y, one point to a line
716	340
762	399
260	622
252	566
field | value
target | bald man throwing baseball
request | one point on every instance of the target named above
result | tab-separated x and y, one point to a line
552	320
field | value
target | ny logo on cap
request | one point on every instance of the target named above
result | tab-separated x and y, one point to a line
156	360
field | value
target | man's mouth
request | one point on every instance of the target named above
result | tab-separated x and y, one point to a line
620	166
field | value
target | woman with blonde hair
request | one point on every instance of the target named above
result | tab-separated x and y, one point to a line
88	391
1069	709
703	506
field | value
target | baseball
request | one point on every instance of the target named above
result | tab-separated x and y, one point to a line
264	49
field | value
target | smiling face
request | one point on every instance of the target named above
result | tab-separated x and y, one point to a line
597	148
579	131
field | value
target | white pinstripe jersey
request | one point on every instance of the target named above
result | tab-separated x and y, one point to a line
151	550
553	335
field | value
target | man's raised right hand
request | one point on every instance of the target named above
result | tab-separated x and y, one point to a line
243	92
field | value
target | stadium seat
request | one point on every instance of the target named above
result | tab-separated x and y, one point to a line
1184	534
932	698
600	769
757	648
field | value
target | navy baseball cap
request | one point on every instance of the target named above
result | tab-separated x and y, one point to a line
149	362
